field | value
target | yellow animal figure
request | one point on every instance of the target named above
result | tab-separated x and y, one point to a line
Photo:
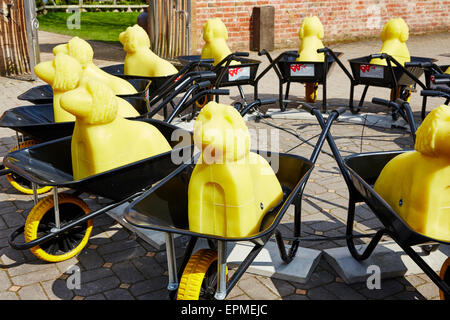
231	188
140	60
311	34
101	139
416	184
82	51
215	34
448	70
65	73
394	35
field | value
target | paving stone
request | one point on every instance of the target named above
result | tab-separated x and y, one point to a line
57	289
388	288
97	286
428	290
95	274
119	294
126	272
256	290
8	296
320	293
4	281
90	259
344	292
34	277
153	284
124	254
148	266
96	297
33	292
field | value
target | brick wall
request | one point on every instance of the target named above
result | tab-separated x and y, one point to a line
343	20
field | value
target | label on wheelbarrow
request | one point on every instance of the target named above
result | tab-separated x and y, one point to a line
302	70
371	71
240	73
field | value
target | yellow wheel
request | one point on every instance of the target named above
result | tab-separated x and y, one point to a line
311	91
41	220
19	183
199	279
403	92
203	101
445	275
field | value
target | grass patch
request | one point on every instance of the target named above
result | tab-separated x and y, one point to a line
100	26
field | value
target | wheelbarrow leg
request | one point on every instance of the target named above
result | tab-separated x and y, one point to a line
221	291
35	194
349	236
350	102
424	107
280	97
426	268
363	97
56	208
171	265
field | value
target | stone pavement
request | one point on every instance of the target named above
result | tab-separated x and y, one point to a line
118	265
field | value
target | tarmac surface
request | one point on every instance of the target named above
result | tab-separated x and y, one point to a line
117	264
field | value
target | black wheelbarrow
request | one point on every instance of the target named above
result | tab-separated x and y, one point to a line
289	70
229	75
59	225
437	81
36	122
165	208
400	79
360	171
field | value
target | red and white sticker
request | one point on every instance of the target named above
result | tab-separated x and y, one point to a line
371	71
302	70
235	74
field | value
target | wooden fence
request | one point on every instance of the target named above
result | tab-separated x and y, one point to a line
14	47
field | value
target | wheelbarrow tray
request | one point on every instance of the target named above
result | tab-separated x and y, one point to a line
50	164
155	82
38	122
304	71
364	170
166	208
242	74
381	76
429	73
44	93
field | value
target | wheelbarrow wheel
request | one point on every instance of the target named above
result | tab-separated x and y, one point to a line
41	220
311	91
21	184
199	279
445	275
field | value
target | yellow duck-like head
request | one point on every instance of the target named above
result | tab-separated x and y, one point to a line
63	73
133	38
433	135
220	132
395	28
76	48
214	29
311	26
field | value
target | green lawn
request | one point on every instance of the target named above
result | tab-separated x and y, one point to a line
101	26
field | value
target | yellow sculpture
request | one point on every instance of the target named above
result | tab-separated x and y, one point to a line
231	188
140	60
416	184
215	34
448	70
82	51
102	140
394	35
311	34
65	73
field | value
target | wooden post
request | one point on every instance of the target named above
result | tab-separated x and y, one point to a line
14	50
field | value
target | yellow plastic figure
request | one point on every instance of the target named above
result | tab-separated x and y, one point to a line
394	35
311	34
101	139
65	73
140	60
215	34
416	184
231	188
82	51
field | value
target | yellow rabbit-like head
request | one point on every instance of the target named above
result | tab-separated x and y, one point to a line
134	38
311	26
220	132
395	28
214	29
92	102
76	48
63	73
433	135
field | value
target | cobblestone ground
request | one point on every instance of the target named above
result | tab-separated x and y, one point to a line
118	265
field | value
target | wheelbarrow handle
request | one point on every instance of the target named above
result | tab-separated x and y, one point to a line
441	80
204	84
311	109
241	54
386	103
378	56
323	50
419	64
434	93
